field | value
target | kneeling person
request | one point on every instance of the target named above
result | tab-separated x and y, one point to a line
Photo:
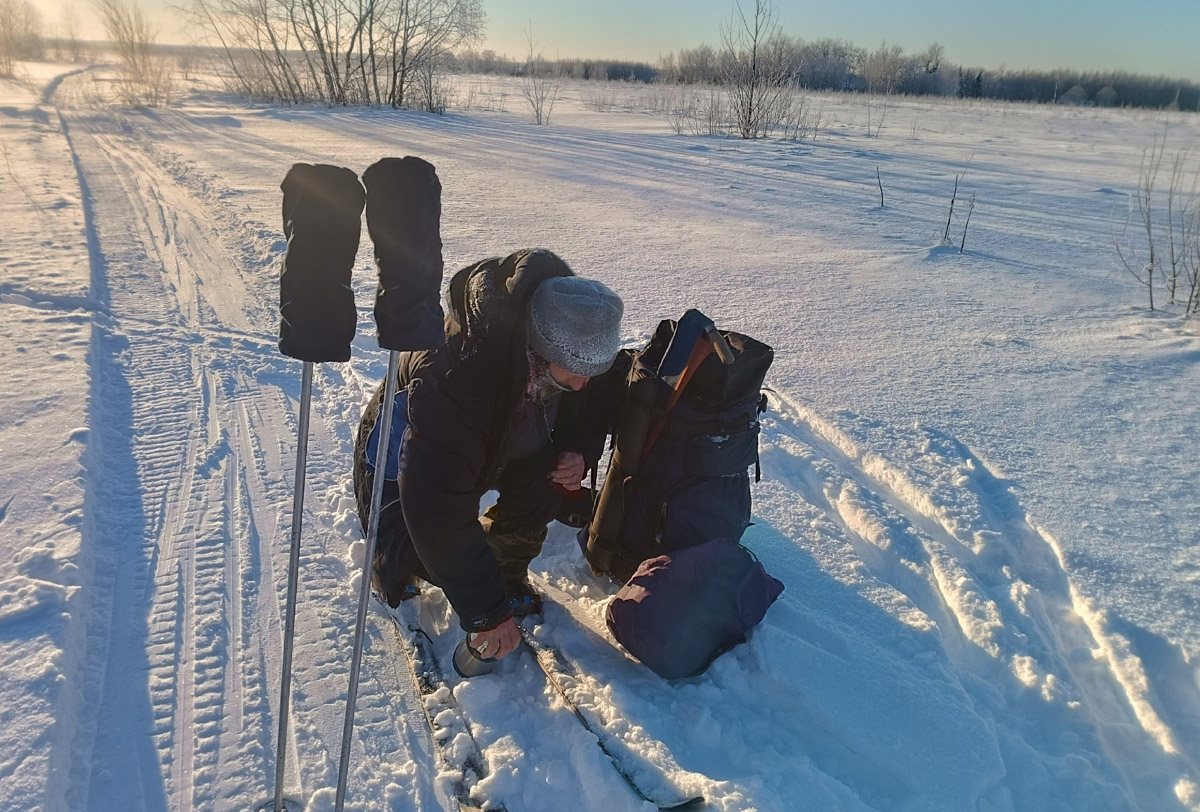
498	407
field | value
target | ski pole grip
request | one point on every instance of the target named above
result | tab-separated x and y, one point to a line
404	209
322	222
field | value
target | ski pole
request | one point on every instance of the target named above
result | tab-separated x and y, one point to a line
322	220
289	628
364	592
403	211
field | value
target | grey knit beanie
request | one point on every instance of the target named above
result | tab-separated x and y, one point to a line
575	323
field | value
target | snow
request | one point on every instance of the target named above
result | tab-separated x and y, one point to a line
979	468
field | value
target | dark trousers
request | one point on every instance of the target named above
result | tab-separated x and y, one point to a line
515	526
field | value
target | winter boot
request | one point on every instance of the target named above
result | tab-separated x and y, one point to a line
408	590
525	599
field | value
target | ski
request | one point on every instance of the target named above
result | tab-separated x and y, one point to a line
288	805
441	710
446	718
559	673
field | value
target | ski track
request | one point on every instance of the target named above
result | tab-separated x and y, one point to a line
943	535
211	407
183	359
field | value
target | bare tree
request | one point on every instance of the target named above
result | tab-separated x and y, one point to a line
1191	259
318	26
923	74
433	94
540	82
886	68
419	34
929	61
146	78
1183	196
206	24
257	29
339	51
698	65
877	111
20	33
360	14
1163	247
756	72
69	29
830	64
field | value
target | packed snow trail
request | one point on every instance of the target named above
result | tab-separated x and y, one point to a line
930	652
177	601
187	516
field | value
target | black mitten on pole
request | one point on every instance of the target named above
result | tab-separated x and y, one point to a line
322	220
404	208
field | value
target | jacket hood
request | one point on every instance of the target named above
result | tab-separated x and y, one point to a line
488	302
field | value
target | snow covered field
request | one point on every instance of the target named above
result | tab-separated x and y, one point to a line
981	486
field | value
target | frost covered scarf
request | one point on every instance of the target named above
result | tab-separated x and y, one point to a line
542	386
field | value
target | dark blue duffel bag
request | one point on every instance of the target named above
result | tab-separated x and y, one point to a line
680	611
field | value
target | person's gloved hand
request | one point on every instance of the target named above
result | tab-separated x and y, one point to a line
496	643
569	471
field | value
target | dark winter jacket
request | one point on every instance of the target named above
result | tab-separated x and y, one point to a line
462	399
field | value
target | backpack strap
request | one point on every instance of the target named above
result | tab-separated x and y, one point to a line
762	407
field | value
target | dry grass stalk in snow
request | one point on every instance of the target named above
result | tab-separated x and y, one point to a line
1164	244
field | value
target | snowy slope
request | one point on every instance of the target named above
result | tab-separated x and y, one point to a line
979	468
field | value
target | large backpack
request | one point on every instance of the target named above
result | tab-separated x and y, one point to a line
676	499
679	472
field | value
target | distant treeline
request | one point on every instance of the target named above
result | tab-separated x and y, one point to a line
834	64
397	53
614	70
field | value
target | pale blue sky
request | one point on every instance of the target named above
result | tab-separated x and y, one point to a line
1147	36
